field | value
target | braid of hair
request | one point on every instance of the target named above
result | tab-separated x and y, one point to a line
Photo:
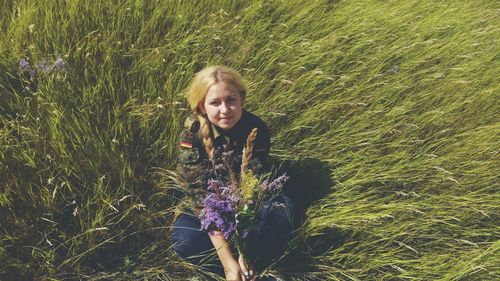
206	135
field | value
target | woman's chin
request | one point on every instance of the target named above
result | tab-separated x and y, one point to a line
225	125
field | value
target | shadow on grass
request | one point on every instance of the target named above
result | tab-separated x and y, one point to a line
310	180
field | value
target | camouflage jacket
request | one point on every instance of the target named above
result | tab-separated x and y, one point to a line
192	158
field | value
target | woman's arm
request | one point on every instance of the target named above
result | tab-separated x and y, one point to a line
232	268
189	164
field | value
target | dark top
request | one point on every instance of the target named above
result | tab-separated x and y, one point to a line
192	158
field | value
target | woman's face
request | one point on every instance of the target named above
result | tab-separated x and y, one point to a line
223	105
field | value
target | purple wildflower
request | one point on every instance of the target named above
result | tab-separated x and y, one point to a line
44	67
59	64
220	209
274	185
24	65
213	184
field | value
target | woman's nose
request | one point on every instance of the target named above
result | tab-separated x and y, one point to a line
224	108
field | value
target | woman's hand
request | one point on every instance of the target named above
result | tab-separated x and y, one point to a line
248	273
233	272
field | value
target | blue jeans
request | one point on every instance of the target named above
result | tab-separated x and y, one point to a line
276	223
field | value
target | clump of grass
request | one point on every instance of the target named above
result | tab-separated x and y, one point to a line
397	99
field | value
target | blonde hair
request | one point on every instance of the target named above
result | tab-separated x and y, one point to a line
197	93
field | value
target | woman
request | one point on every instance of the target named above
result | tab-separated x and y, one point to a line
216	96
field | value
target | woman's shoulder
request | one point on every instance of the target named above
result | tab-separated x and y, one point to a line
189	137
191	124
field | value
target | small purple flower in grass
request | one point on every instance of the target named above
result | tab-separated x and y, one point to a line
59	64
43	67
24	65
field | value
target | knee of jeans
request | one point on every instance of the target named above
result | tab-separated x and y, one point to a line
283	204
283	199
185	248
198	252
191	244
179	247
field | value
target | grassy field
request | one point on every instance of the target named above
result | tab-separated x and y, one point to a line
386	113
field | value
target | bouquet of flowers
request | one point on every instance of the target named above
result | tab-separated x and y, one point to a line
233	201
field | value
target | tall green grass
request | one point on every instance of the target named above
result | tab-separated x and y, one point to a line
398	99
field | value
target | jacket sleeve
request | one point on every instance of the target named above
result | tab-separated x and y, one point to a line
190	165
